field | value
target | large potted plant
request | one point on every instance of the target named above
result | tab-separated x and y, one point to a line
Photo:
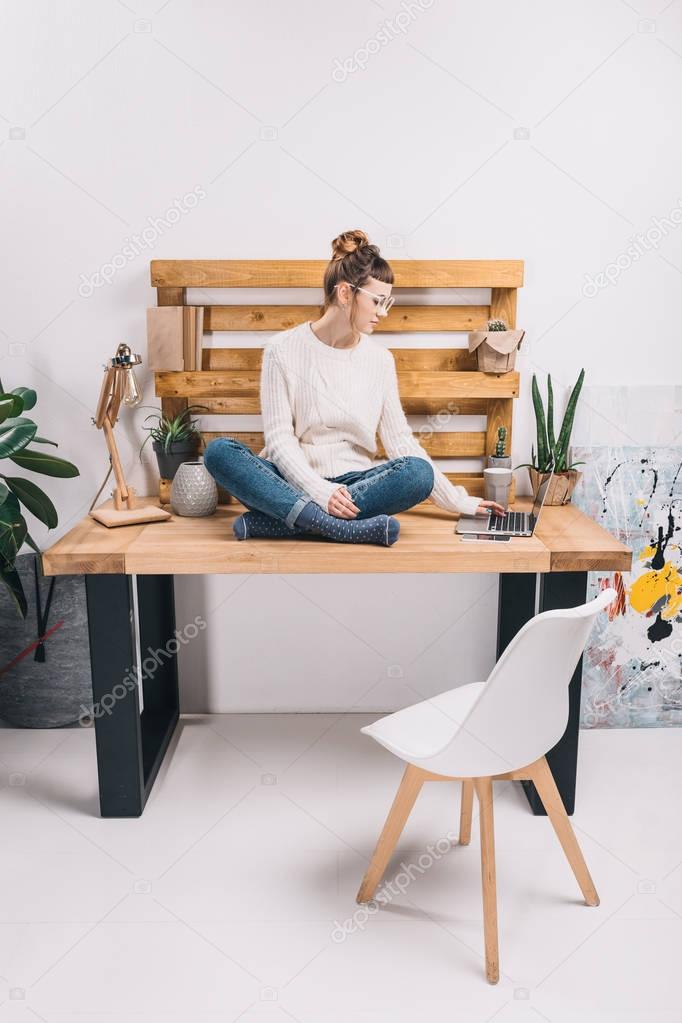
44	661
551	450
175	439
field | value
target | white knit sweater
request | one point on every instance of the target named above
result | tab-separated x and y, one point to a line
322	408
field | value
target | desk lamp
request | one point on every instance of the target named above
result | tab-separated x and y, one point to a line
119	387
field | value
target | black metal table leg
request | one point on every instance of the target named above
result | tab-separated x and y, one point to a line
516	606
131	745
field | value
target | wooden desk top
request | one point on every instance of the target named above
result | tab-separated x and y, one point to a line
566	540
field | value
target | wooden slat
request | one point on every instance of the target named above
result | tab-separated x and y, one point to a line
249	405
172	406
453	444
308	273
231	358
171	296
500	410
401	318
434	359
415	386
503	306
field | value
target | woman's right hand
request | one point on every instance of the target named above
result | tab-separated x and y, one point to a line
341	504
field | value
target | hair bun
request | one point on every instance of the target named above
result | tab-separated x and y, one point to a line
348	242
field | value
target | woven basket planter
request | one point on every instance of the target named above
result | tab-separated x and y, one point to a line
560	489
495	349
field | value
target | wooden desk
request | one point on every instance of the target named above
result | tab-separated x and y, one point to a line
129	584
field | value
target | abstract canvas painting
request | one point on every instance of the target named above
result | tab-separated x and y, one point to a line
632	665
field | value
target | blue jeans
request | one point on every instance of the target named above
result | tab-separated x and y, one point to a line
259	485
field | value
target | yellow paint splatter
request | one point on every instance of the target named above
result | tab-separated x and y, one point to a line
648	552
652	586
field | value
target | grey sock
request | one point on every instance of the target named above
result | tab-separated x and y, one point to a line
255	523
378	529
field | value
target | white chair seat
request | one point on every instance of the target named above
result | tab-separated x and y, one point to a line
490	731
424	729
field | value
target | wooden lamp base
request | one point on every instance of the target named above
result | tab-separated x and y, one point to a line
131	515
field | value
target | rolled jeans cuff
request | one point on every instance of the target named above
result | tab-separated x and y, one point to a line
296	511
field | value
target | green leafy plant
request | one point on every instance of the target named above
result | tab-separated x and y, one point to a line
501	442
552	450
172	430
17	432
497	325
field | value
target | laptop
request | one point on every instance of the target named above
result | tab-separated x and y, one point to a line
511	524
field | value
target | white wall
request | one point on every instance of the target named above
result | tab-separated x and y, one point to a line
536	130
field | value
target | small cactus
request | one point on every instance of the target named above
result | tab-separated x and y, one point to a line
501	441
497	325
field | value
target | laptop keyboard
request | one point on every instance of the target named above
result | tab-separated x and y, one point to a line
511	522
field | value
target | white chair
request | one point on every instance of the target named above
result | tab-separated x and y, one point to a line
499	730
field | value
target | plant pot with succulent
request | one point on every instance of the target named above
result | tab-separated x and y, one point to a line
175	439
45	678
551	450
500	460
496	347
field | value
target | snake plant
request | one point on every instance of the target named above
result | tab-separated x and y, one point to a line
550	449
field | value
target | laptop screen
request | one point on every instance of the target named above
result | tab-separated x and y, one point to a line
541	494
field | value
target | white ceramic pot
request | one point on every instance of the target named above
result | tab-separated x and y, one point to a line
193	490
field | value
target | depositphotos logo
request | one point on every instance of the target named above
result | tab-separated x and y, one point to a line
137	243
135	677
385	34
640	244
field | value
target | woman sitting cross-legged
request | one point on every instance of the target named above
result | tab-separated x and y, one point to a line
326	390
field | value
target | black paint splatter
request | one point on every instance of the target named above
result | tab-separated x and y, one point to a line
659	630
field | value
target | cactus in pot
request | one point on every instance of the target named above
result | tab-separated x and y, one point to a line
495	347
500	460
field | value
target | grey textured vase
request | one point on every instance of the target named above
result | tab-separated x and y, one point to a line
49	692
193	490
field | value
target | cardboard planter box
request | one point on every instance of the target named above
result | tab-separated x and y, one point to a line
495	349
560	489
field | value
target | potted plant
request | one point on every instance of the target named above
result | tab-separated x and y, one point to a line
175	439
500	460
496	347
551	450
36	690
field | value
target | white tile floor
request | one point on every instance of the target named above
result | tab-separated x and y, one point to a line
233	896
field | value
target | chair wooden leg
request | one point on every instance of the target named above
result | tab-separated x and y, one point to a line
405	798
543	780
465	812
484	791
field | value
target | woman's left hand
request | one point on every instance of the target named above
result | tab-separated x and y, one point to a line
496	508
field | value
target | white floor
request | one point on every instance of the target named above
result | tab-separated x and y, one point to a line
233	896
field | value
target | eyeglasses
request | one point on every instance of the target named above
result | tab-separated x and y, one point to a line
382	302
